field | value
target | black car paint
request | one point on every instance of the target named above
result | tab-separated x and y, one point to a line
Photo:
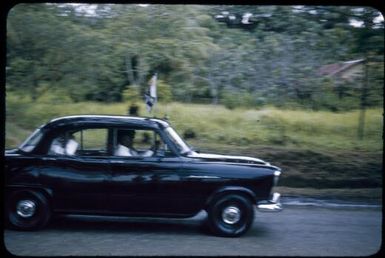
173	185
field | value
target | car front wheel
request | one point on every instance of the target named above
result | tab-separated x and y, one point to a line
230	216
27	210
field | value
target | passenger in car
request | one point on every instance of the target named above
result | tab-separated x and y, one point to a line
64	146
57	146
71	145
124	146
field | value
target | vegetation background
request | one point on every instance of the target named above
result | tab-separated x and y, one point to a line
232	79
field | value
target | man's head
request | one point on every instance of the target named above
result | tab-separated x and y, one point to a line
126	137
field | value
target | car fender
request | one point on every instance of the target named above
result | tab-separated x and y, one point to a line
47	192
231	189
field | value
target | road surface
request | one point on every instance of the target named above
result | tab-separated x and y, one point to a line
296	231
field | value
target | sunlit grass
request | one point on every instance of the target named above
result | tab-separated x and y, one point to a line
279	127
216	124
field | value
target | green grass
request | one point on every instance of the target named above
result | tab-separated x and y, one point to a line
270	126
216	124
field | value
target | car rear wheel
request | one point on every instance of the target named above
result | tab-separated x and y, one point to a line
230	216
27	210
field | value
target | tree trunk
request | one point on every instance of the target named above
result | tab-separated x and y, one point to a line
129	72
363	104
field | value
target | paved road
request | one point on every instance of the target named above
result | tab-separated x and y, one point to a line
296	231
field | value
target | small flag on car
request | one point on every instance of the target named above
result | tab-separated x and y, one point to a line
151	94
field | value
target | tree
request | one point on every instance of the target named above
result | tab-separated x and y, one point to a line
370	44
204	53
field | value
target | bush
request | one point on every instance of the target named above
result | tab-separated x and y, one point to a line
230	102
131	94
164	92
234	99
54	96
189	134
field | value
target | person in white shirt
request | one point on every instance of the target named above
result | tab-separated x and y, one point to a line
57	146
62	146
71	146
122	150
125	148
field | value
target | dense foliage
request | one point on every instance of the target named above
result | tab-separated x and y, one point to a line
206	54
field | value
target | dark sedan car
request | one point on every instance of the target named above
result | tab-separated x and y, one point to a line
131	166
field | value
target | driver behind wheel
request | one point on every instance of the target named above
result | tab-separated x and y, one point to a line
125	139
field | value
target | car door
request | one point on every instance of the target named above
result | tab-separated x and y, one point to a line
149	185
78	181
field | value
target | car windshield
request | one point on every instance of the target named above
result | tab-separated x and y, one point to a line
31	142
179	143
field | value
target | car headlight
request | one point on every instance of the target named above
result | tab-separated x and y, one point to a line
277	173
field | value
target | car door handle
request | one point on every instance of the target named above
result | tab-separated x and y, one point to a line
203	177
46	158
117	161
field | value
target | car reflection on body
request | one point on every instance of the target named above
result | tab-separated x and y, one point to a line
70	165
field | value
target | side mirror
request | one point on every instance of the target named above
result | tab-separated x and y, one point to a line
160	153
195	149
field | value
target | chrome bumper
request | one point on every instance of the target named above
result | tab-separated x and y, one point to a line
272	205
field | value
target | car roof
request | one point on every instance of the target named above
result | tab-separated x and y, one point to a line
78	120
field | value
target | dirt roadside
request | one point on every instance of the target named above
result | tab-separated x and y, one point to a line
367	195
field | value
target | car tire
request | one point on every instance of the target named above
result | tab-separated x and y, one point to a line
230	216
27	210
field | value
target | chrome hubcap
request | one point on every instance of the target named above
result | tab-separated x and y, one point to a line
231	215
25	208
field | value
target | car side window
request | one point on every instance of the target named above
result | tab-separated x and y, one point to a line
92	142
139	143
86	142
